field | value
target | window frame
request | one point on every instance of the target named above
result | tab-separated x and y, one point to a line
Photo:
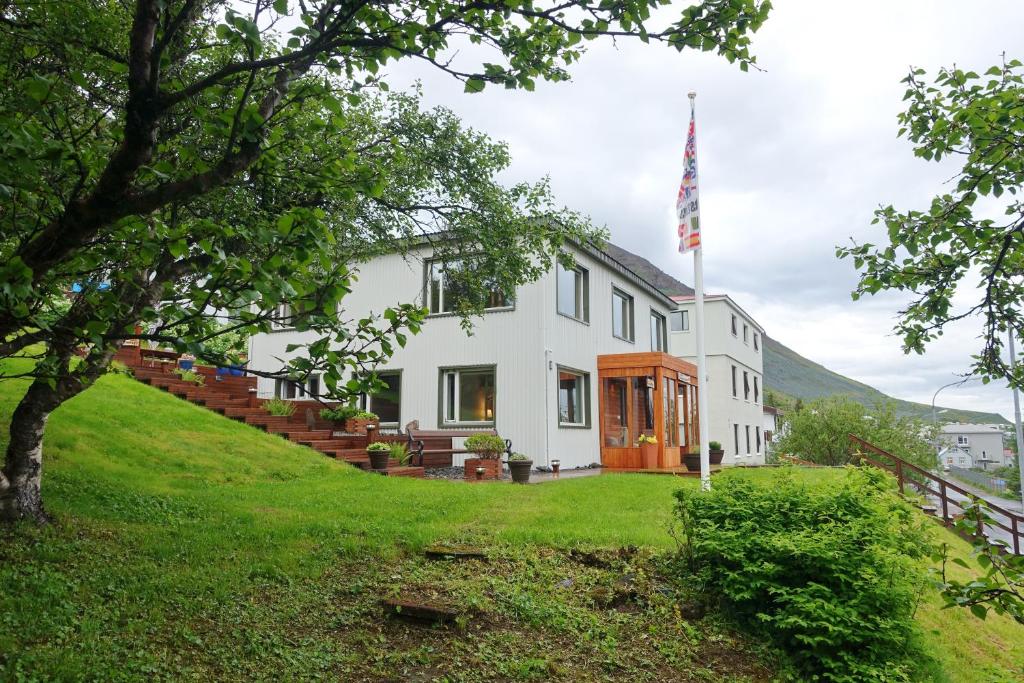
736	438
684	320
746	429
757	438
656	317
735	328
282	318
735	382
746	334
442	384
428	264
757	391
581	288
757	342
746	386
963	440
585	376
631	322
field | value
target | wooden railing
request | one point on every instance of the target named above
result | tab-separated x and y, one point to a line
928	483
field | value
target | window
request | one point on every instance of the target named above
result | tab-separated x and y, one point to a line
446	288
573	292
747	429
757	437
622	315
734	326
757	390
285	389
671	416
746	333
736	439
962	440
735	391
467	396
312	386
386	402
757	342
281	317
680	321
746	386
288	389
659	340
573	398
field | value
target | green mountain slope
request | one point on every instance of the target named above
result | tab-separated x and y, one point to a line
789	375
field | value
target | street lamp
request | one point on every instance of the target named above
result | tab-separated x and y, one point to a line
935	423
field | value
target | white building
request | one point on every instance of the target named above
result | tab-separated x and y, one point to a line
983	443
531	368
772	425
735	385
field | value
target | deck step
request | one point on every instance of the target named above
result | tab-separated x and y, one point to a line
416	472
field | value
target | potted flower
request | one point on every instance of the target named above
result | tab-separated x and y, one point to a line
715	452
520	465
488	449
692	458
648	451
379	454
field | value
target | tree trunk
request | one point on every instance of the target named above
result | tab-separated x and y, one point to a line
20	495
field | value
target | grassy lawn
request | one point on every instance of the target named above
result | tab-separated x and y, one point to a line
190	546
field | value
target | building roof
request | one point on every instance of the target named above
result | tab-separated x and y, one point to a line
688	298
970	429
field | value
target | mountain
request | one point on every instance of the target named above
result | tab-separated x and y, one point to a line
790	376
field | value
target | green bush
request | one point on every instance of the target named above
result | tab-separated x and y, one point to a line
485	445
190	376
378	447
518	457
715	445
279	407
830	572
399	452
346	412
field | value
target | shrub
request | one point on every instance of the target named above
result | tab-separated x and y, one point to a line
279	407
715	445
831	572
485	445
346	412
518	457
379	447
190	376
399	452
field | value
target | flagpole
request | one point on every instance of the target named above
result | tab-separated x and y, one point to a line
702	369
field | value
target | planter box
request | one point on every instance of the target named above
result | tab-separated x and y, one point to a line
492	469
649	456
520	470
357	425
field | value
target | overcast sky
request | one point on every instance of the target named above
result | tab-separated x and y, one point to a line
793	161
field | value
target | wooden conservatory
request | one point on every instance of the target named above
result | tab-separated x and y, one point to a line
653	394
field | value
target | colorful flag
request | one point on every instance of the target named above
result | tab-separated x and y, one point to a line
687	206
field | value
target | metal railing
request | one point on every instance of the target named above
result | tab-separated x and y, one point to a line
928	483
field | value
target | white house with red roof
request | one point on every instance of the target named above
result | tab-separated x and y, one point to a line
735	365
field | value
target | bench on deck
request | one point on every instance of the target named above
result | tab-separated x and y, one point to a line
156	356
420	446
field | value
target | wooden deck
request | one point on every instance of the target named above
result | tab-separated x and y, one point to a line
680	471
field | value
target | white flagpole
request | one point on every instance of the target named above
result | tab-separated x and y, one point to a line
702	364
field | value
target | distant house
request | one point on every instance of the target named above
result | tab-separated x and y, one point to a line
733	343
771	425
983	444
954	456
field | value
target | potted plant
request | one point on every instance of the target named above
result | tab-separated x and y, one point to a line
715	452
488	449
520	465
350	419
648	451
279	407
692	458
379	454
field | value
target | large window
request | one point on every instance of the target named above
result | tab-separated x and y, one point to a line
387	402
573	398
447	288
573	292
659	338
679	321
622	315
467	396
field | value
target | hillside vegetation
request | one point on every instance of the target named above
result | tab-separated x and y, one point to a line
190	546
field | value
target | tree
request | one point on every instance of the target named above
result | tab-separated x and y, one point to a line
975	229
819	432
180	158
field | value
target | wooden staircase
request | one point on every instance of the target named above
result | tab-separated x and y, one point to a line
235	397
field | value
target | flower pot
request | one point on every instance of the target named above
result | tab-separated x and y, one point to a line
716	456
520	470
379	459
692	461
649	456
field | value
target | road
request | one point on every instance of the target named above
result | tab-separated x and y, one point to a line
992	532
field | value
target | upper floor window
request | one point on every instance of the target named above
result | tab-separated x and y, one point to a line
447	288
746	386
679	321
659	338
622	315
746	333
757	390
288	389
281	317
734	326
573	292
757	439
757	342
735	391
747	429
962	440
467	395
